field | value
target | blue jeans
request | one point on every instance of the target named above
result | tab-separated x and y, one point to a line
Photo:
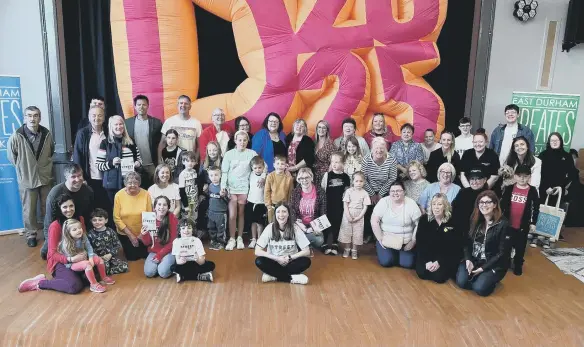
162	269
483	284
389	257
315	241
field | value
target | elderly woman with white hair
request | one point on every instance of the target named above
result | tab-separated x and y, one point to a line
129	203
380	170
446	175
438	242
300	147
114	152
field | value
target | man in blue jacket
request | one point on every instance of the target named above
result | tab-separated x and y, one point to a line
503	135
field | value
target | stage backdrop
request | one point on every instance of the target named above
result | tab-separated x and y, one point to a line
90	66
11	115
325	59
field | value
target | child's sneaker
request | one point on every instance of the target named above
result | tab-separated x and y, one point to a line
325	249
31	284
335	249
205	277
178	278
97	288
214	245
252	244
354	254
267	278
518	270
240	244
533	243
299	279
346	252
108	280
546	244
230	244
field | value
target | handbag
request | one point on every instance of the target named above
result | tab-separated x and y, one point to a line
551	218
393	241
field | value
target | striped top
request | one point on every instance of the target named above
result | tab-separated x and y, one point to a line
378	178
105	165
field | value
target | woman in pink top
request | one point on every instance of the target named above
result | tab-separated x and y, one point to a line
308	202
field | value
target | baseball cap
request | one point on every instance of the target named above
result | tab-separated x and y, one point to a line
477	172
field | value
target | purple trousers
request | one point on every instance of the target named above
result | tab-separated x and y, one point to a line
64	280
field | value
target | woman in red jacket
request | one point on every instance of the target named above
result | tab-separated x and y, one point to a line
160	259
64	279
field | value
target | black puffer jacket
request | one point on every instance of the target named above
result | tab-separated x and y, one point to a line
497	247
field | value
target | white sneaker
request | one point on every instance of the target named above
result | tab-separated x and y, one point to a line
267	278
205	277
252	243
230	244
240	244
299	279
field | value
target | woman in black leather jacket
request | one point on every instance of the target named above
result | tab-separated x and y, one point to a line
487	247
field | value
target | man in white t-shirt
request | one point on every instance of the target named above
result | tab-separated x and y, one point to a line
189	129
464	140
429	144
502	137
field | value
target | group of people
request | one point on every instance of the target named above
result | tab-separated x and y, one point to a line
452	209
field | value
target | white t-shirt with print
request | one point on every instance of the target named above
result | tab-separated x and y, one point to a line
188	130
510	133
171	192
462	144
199	249
255	194
283	247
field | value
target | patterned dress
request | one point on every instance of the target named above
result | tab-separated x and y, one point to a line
107	242
322	160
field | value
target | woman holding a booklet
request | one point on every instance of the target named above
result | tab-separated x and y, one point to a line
129	203
308	202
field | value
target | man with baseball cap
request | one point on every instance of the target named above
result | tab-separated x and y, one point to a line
464	203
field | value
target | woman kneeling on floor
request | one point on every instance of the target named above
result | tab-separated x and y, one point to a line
438	242
277	250
487	248
160	259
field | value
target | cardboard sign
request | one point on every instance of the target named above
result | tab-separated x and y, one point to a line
127	165
184	247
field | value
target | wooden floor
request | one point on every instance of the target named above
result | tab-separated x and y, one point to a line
347	303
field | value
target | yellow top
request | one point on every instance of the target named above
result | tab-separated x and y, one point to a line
128	210
278	188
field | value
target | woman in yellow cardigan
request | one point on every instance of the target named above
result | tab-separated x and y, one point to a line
129	203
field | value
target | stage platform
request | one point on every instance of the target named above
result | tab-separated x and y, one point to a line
346	303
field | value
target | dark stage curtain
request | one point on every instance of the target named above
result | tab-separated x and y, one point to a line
90	68
89	56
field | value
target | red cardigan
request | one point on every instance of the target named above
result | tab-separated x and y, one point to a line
55	235
208	135
158	248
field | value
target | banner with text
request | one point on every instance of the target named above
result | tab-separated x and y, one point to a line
11	115
546	113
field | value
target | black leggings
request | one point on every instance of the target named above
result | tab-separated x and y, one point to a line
335	216
191	269
519	242
282	273
133	253
441	275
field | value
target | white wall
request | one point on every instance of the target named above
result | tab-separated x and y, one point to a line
21	51
516	58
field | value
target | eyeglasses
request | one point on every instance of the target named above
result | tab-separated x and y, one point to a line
485	203
273	122
132	183
220	115
397	191
303	178
446	172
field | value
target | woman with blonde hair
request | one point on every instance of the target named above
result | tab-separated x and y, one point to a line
438	243
323	148
117	149
417	180
444	154
445	185
300	147
379	129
